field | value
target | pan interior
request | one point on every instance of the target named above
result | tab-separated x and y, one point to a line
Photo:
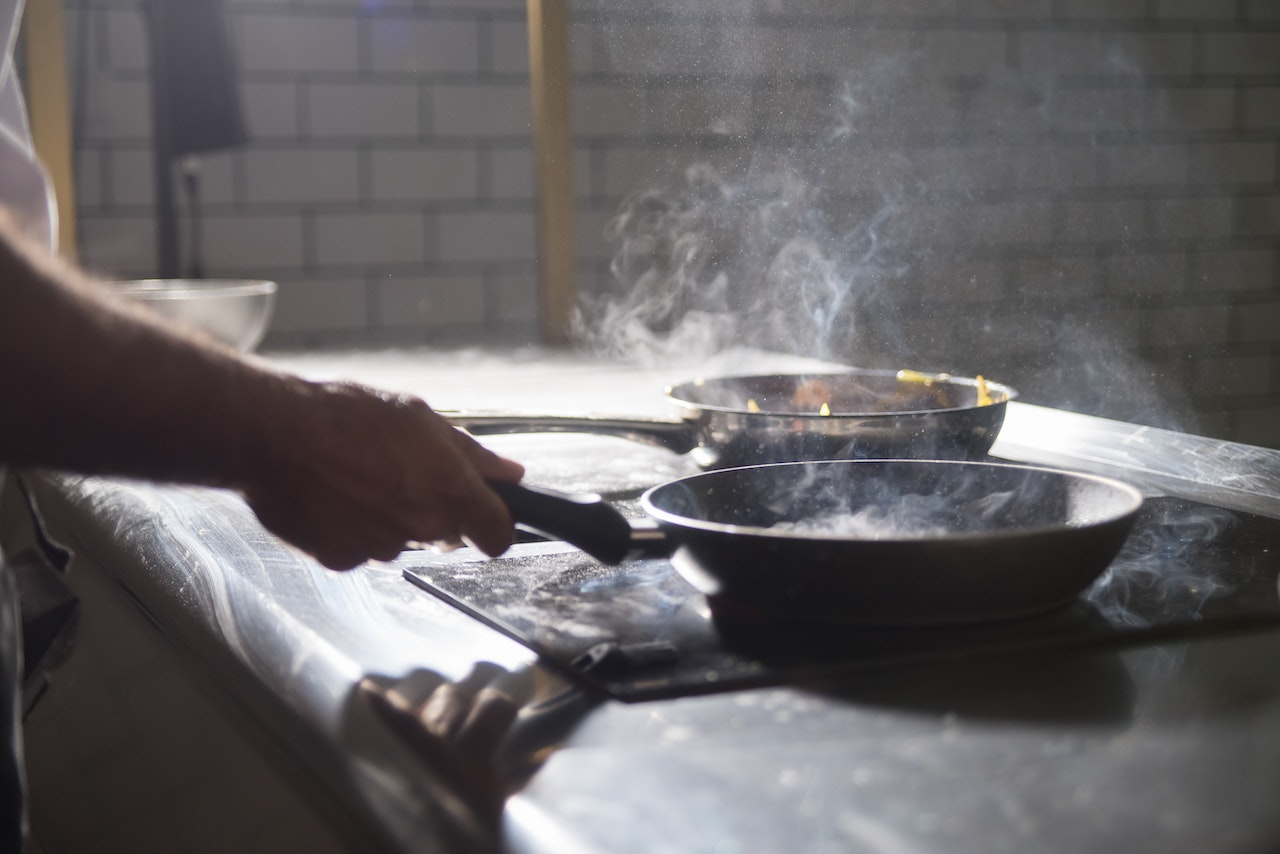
890	500
850	393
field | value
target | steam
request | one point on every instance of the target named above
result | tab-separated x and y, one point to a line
885	216
914	502
905	516
711	262
1169	568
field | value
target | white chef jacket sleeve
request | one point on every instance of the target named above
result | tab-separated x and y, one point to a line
24	185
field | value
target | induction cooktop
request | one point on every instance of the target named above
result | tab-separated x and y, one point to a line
639	631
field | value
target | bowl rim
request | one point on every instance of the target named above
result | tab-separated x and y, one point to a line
187	288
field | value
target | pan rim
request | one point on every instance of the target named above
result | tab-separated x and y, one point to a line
1130	509
672	392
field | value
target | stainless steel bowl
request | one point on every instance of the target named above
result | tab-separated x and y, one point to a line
234	311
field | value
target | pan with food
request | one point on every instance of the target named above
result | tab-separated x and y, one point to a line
885	542
746	420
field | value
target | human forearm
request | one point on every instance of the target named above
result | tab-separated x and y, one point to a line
92	384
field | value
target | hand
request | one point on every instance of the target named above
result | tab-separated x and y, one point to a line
360	473
456	728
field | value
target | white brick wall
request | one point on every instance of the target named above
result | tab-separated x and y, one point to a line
406	45
347	111
271	108
245	242
480	110
441	301
1088	176
369	239
296	43
418	174
387	182
485	236
289	176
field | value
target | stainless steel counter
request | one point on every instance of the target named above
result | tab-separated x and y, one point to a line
1171	747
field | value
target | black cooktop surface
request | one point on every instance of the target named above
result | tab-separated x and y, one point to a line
639	631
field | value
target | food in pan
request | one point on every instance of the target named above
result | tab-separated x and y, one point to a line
812	394
905	376
984	394
982	391
908	391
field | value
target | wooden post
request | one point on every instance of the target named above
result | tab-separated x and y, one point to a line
49	109
552	147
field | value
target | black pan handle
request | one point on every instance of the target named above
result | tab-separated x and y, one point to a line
586	521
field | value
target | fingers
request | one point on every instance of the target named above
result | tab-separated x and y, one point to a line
493	467
489	465
448	506
481	517
346	536
378	472
488	525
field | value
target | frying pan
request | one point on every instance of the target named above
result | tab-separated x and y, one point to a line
890	542
744	420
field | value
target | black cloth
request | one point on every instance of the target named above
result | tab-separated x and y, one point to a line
38	615
12	780
194	76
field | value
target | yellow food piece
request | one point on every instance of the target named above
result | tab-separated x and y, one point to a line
824	409
921	377
752	406
984	394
